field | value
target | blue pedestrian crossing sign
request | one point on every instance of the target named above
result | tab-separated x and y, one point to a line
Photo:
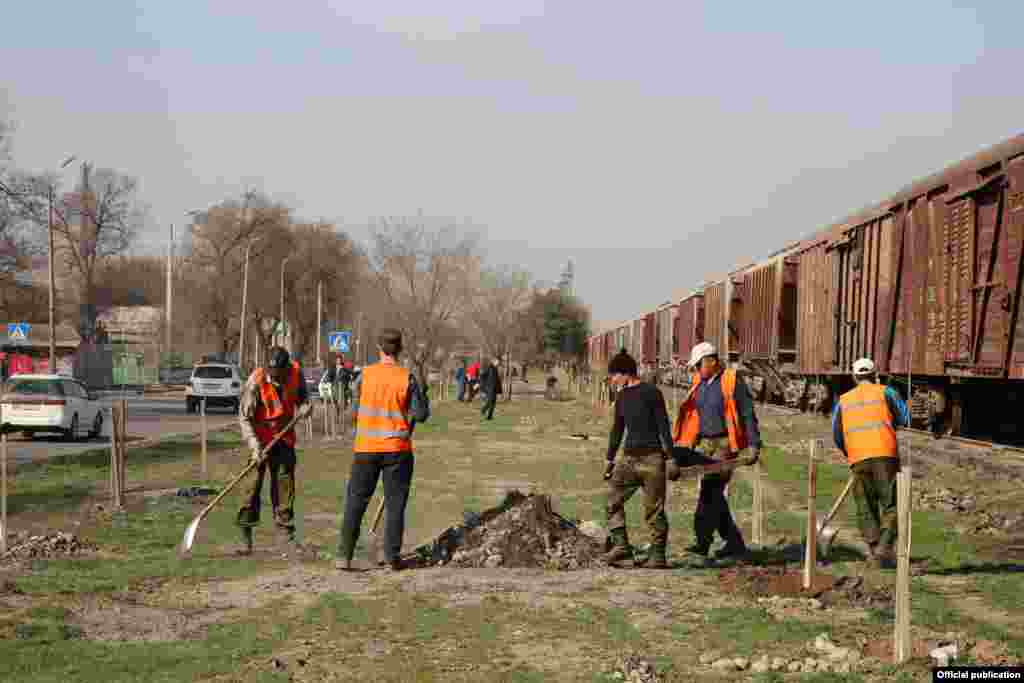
339	341
18	332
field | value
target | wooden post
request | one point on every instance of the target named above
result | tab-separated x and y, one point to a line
757	530
3	492
903	644
202	437
811	546
123	449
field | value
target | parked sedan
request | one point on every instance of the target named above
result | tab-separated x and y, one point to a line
50	403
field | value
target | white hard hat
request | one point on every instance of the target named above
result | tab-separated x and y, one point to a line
864	366
700	351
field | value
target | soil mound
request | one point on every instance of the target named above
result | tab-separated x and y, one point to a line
56	545
522	532
828	589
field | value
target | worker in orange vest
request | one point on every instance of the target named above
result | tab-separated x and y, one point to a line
716	420
387	404
272	396
864	425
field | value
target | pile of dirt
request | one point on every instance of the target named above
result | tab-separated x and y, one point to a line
56	545
826	590
522	532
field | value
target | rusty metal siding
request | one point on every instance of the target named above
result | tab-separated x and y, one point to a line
690	323
786	317
665	336
1015	233
758	324
714	314
636	338
814	310
648	345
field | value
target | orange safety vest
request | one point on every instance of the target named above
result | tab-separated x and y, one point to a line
275	411
868	431
382	425
687	429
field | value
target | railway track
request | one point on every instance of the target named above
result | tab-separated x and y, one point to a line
978	443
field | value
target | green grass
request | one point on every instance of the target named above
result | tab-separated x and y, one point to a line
748	630
47	649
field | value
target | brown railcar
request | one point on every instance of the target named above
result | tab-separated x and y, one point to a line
649	343
665	336
689	325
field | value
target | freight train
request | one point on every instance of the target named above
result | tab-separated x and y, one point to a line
927	283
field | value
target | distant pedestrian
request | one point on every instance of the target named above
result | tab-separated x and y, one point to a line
387	405
490	388
460	382
864	425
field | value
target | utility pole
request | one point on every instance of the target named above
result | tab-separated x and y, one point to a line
282	326
53	286
319	317
359	337
170	298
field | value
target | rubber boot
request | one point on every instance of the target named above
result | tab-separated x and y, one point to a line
655	558
620	551
886	557
246	547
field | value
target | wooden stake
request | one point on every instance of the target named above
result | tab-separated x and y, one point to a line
903	644
811	546
3	492
757	531
123	450
202	431
115	413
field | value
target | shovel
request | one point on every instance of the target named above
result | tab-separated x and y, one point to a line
193	527
373	540
827	534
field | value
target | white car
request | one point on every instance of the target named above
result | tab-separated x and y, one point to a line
50	403
218	383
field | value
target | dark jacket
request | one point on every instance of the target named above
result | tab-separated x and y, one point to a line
490	380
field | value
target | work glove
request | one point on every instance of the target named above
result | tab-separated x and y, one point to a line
609	468
305	410
672	469
255	454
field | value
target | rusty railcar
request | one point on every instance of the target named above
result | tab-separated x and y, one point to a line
665	337
689	325
649	343
636	337
928	285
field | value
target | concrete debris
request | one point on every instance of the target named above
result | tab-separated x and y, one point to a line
723	665
523	531
60	544
830	658
942	656
637	669
761	665
741	663
708	657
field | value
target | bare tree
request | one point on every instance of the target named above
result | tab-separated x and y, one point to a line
498	307
219	244
321	254
428	277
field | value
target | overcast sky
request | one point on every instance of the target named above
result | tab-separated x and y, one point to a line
656	144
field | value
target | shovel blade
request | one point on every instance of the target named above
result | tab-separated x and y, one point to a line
190	535
826	536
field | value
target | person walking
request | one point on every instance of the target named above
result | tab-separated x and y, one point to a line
387	405
644	464
272	396
460	381
490	388
716	422
864	425
473	373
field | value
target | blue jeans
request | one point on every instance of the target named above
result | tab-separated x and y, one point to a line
461	384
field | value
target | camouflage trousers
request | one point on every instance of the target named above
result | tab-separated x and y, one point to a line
639	469
281	466
874	491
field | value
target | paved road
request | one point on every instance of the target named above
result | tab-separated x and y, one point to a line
148	417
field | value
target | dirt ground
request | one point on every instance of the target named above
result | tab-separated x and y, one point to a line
110	598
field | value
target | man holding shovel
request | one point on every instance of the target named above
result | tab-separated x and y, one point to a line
644	464
864	428
272	396
386	405
716	420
